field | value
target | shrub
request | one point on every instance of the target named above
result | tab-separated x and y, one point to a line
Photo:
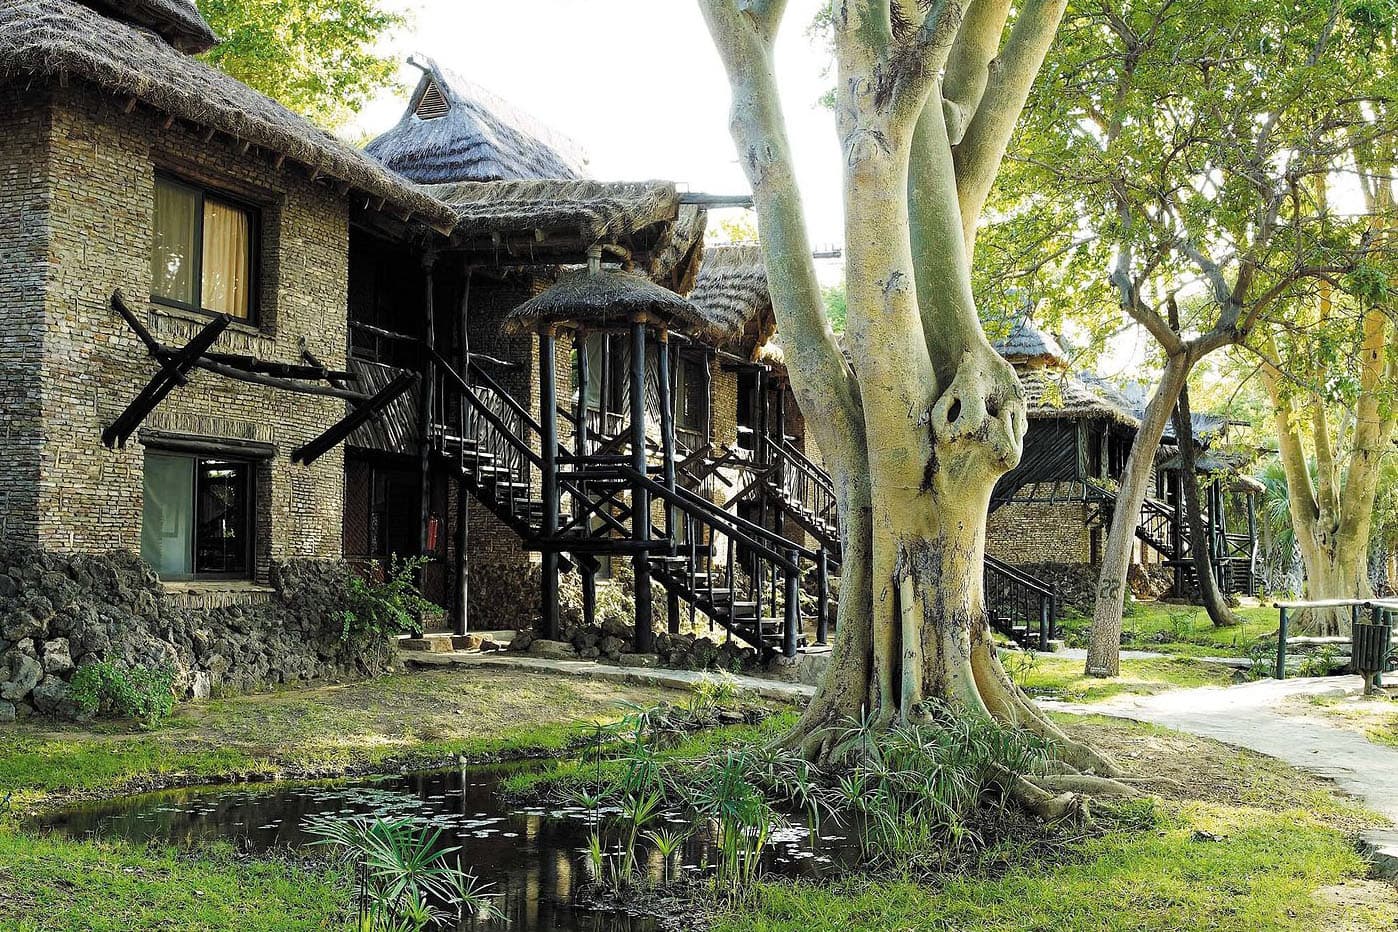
382	608
144	694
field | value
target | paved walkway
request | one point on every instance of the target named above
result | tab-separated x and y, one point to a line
1248	716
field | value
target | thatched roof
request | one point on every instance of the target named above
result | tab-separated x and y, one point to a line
60	39
732	295
1027	343
177	21
677	261
602	299
597	211
1054	392
454	130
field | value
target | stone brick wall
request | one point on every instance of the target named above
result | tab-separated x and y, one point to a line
1025	533
24	260
100	191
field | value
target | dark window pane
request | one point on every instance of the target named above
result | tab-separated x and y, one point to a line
223	532
172	254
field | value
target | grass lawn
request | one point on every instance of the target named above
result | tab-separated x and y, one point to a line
1244	844
1183	630
1048	676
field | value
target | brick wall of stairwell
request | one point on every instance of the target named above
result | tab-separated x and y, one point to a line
1022	533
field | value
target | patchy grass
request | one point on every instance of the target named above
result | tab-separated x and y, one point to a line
422	717
1061	678
1375	717
51	883
1245	844
1182	630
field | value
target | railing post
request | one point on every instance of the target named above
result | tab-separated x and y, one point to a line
1053	611
792	609
822	596
548	442
1281	645
1045	623
426	410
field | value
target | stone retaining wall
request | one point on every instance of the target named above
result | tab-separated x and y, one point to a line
59	612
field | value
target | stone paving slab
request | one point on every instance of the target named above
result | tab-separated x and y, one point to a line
1249	716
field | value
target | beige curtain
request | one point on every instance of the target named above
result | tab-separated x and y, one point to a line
227	259
172	246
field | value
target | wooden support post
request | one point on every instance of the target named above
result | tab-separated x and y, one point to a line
461	593
584	382
1281	645
1252	544
171	374
426	404
822	596
672	609
791	628
667	437
548	441
640	495
589	595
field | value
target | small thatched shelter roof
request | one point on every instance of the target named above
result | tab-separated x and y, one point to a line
1054	392
602	299
177	21
1028	344
63	39
732	295
454	130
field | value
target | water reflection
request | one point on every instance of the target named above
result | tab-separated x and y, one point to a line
533	856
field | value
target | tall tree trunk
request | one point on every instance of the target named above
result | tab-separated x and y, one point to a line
1104	645
1199	534
919	429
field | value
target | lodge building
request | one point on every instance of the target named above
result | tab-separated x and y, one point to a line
231	343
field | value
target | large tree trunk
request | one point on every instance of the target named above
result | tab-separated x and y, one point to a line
1199	534
919	429
1104	646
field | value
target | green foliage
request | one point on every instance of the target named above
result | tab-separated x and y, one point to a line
144	694
317	57
836	306
381	608
917	787
402	871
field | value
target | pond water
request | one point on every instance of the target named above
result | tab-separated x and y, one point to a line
534	857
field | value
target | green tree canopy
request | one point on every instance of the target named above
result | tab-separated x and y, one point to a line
318	57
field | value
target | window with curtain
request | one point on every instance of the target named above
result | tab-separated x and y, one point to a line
203	248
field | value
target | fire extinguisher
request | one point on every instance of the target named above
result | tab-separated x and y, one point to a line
434	533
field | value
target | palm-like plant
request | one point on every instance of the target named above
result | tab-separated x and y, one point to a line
401	870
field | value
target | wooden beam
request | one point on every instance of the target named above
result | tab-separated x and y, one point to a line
315	449
129	106
172	373
279	161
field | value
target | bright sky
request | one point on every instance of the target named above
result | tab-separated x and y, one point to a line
636	82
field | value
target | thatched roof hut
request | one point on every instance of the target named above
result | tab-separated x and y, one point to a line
1052	392
731	293
602	299
135	49
454	130
1027	344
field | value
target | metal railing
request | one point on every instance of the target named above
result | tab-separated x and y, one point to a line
1010	590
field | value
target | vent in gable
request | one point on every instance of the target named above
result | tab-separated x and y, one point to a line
433	105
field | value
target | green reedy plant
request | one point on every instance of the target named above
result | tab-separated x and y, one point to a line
141	693
400	870
725	791
382	608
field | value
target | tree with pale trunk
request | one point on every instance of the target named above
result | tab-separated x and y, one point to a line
924	417
1173	137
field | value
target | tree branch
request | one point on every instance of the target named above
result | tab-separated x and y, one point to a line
968	65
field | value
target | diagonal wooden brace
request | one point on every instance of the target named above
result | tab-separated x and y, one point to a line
173	370
327	441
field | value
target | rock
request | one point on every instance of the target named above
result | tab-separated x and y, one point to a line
7	590
487	644
522	639
611	647
50	695
21	626
8	712
589	653
201	685
557	650
19	674
466	642
57	657
639	660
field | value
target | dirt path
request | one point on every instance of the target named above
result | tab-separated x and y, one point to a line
1254	716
